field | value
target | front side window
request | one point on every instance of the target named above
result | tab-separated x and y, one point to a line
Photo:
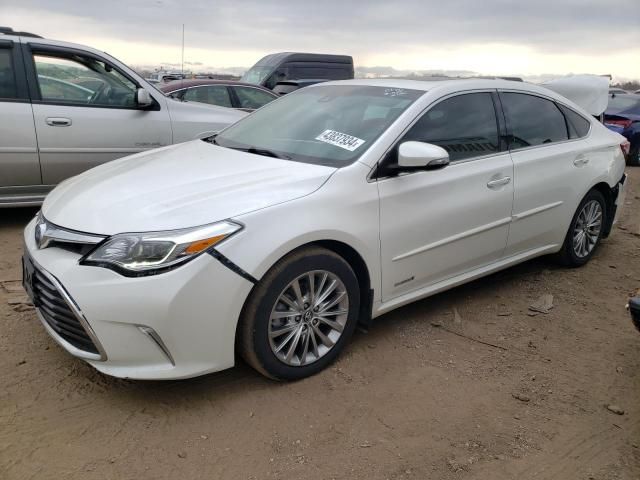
252	98
8	86
82	81
464	125
212	94
532	120
326	125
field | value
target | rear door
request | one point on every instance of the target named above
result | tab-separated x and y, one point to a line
551	169
437	224
85	112
19	165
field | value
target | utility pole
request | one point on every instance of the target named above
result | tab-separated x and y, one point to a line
182	62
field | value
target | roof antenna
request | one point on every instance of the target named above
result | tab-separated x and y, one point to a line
182	63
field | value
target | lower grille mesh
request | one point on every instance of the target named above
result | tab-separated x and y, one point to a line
59	315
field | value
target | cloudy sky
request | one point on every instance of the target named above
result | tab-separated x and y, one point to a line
520	37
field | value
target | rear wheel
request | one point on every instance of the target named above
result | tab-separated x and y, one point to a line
300	315
585	231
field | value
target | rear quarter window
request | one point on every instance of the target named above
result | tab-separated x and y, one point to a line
577	124
532	120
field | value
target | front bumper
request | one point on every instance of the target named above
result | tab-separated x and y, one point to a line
178	324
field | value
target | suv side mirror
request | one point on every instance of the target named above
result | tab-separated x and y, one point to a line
143	98
421	156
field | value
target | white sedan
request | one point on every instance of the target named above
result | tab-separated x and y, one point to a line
322	210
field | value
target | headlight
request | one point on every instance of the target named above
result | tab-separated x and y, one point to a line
137	254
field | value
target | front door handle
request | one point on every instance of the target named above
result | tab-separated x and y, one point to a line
500	182
581	160
58	121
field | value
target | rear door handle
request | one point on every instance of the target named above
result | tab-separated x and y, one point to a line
58	121
499	182
581	160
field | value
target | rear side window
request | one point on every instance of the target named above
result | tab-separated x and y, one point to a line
465	126
577	124
213	95
8	87
252	98
532	120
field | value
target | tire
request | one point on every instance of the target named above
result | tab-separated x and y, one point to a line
270	311
633	159
575	253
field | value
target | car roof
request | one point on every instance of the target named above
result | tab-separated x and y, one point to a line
458	83
174	85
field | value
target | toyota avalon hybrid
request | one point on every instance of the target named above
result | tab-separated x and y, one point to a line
275	238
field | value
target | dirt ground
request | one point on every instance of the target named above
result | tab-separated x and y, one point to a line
465	385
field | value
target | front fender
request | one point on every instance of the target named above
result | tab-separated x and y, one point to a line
327	214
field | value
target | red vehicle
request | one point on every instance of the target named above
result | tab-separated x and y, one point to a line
223	93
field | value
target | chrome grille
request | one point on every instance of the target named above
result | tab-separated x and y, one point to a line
59	315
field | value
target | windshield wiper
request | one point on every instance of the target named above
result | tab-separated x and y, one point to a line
257	151
211	139
266	153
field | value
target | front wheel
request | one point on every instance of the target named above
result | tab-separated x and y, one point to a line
585	231
300	316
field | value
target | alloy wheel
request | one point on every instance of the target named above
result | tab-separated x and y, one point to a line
308	318
587	228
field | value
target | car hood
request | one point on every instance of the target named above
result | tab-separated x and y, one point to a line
179	186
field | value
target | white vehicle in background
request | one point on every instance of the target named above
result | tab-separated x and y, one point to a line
327	207
65	108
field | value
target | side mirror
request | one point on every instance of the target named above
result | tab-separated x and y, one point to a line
143	98
421	156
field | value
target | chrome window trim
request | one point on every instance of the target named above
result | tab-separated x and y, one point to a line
371	178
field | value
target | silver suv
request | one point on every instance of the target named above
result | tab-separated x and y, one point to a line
65	108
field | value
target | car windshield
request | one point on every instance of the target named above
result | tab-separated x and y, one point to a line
327	125
257	74
621	103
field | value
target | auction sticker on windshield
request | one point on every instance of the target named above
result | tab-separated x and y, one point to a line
342	140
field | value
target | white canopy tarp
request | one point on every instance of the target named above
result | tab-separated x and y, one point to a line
591	92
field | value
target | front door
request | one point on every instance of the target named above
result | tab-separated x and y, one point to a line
437	224
85	113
